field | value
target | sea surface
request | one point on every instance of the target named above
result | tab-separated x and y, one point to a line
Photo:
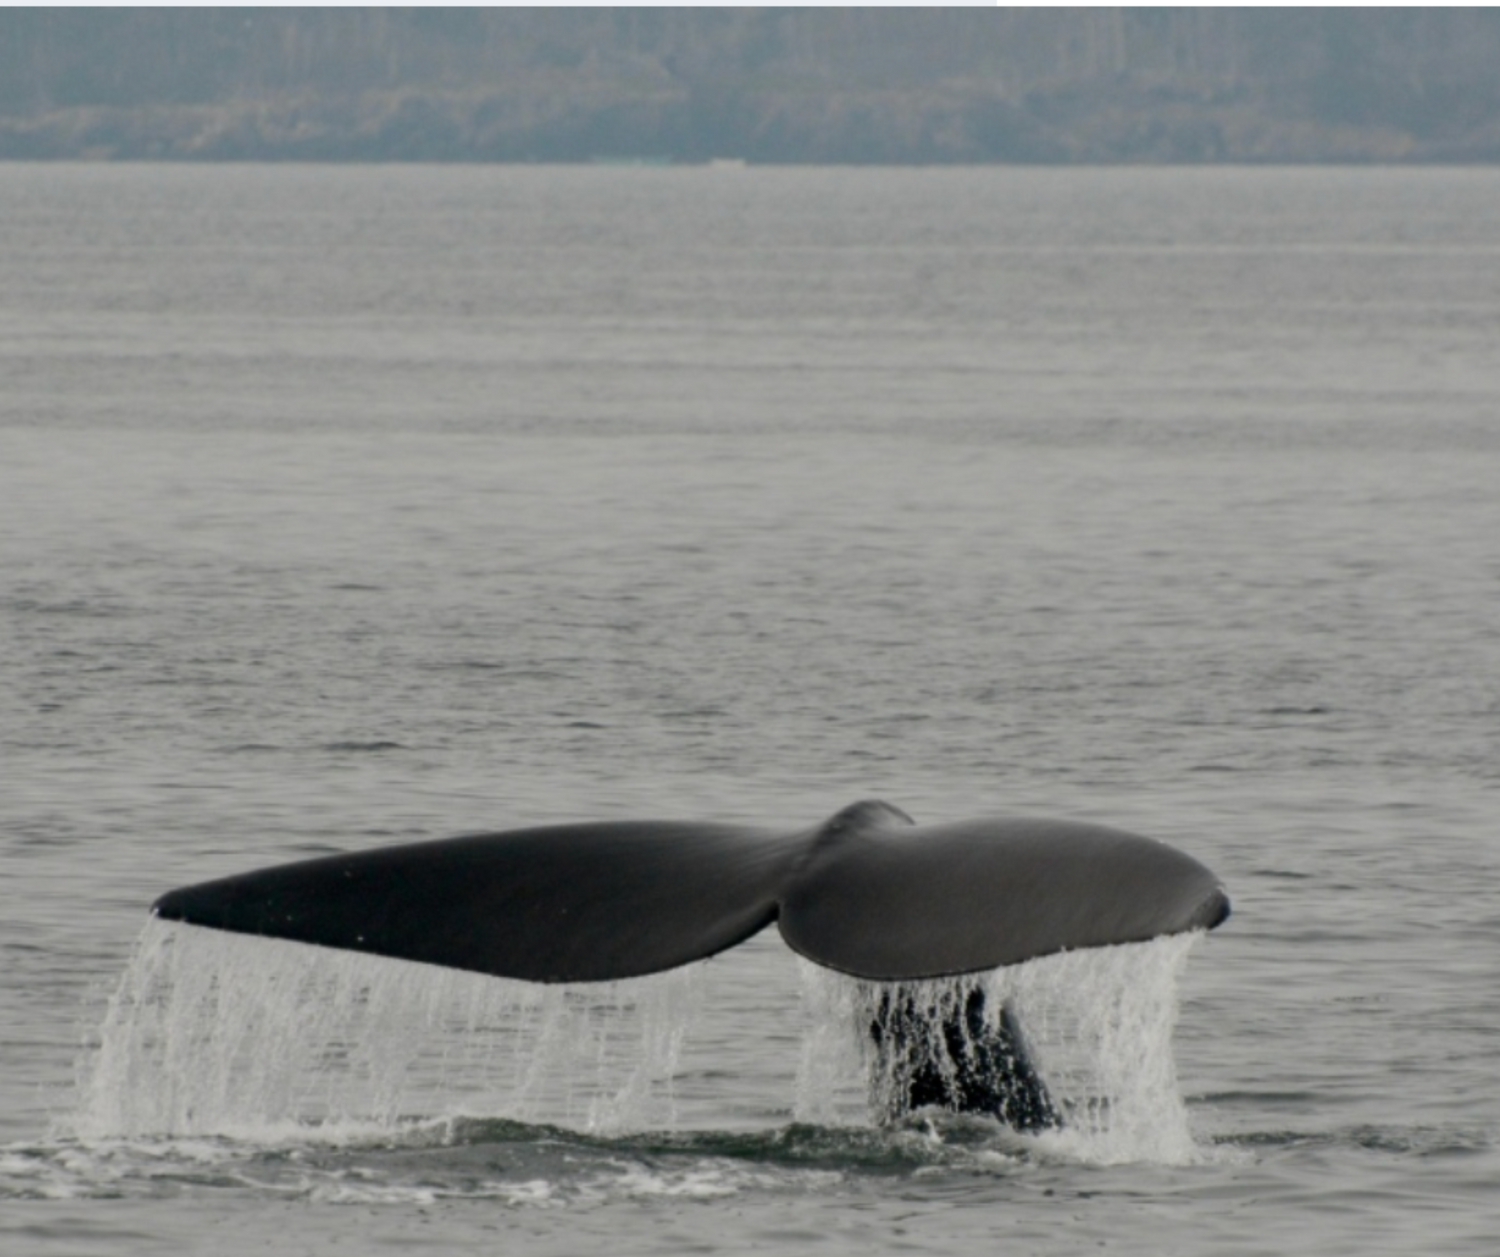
347	506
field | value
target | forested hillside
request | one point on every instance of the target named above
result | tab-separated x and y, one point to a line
776	85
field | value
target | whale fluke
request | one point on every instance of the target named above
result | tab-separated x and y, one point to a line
886	899
565	903
868	893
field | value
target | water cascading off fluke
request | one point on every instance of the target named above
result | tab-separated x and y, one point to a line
263	1041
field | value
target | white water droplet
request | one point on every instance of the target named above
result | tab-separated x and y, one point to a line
1098	1024
214	1034
257	1039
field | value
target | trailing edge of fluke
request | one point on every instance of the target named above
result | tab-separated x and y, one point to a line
867	892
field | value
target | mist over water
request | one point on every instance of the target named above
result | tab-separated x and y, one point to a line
350	507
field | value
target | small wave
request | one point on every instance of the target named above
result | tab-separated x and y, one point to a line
540	1169
538	1166
927	1140
1403	1141
74	607
510	671
362	747
1422	1141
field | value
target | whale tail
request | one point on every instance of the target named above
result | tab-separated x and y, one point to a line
867	893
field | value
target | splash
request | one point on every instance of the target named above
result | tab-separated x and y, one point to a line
1098	1026
257	1039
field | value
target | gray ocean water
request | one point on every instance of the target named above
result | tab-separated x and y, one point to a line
347	506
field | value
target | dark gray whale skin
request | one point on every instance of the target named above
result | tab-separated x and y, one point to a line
957	1060
868	893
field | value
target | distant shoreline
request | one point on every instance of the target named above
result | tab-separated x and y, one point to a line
855	87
